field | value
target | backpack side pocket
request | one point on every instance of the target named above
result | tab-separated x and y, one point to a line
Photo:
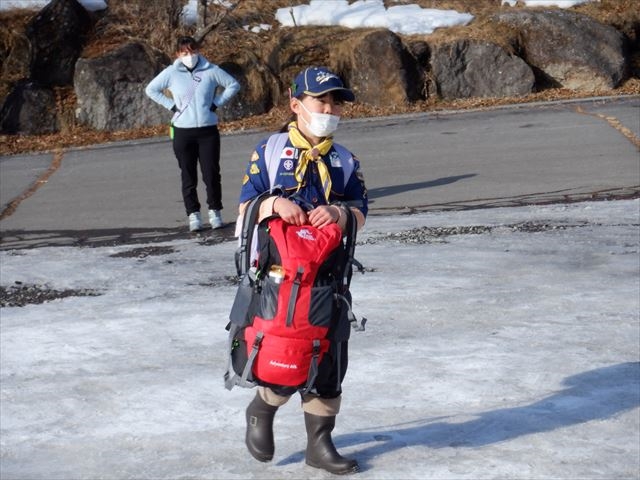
321	306
244	303
268	305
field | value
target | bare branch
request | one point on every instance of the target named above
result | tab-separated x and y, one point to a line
204	30
292	16
201	13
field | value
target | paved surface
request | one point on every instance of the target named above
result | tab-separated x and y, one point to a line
532	153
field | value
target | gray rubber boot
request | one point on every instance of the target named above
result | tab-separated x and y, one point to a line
259	437
321	453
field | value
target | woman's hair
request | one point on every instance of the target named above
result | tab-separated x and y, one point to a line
188	43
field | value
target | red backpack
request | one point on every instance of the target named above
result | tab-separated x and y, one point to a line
287	300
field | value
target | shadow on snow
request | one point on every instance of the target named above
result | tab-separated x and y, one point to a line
594	395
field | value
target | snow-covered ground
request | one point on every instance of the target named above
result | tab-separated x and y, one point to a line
509	351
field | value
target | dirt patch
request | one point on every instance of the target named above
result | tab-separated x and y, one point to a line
19	294
143	252
423	235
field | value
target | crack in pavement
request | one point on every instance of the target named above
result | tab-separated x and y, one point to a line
614	122
42	179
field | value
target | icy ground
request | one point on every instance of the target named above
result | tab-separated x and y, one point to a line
500	344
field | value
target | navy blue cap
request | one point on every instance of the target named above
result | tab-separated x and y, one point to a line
316	81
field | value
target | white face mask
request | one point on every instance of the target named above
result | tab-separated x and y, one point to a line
321	124
189	60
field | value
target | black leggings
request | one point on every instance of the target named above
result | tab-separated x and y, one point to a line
191	145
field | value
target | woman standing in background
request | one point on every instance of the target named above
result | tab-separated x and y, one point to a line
194	82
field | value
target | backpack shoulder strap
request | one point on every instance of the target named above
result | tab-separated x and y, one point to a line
350	246
272	153
243	254
346	160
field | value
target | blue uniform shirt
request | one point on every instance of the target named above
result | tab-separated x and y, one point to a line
351	190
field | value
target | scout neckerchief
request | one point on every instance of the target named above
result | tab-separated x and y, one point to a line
311	154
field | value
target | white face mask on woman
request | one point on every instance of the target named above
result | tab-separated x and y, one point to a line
321	124
189	61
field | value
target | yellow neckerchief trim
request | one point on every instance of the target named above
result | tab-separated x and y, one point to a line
311	154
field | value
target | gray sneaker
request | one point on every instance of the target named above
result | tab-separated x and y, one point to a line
195	222
215	219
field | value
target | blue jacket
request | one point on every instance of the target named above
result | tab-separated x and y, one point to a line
179	81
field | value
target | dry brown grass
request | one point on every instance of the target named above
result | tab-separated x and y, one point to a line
130	20
622	14
11	24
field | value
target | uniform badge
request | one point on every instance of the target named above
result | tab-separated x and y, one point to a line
254	170
245	179
288	165
334	158
288	152
255	156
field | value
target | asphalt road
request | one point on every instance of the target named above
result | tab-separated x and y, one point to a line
521	154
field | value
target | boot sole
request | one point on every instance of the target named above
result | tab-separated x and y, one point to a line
353	469
261	458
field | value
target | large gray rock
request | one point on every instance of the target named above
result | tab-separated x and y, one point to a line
570	50
57	35
466	68
110	89
289	52
29	109
375	64
379	69
258	87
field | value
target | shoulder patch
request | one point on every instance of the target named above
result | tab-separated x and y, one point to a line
254	170
334	158
255	156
